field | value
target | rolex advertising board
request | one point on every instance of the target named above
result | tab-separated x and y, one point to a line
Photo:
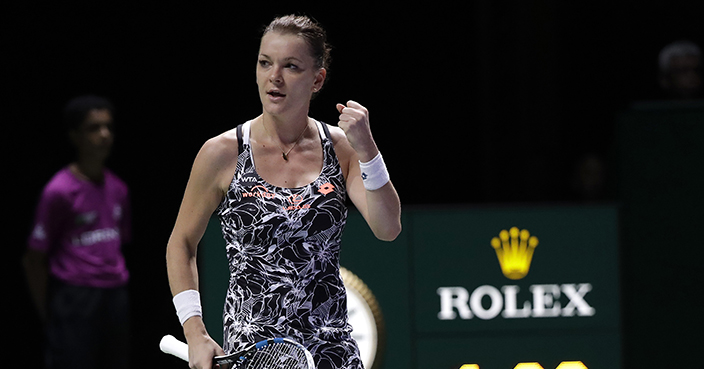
497	287
510	287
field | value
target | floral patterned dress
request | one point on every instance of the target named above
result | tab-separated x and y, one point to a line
283	247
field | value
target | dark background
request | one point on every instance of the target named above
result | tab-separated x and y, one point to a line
479	103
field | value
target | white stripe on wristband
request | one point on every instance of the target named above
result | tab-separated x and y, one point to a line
187	304
374	173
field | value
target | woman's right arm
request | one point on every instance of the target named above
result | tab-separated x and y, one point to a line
202	196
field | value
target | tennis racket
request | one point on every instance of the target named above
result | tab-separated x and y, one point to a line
275	353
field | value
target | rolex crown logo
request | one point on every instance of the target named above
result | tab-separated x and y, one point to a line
514	249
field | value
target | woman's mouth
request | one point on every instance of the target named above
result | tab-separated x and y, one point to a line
276	94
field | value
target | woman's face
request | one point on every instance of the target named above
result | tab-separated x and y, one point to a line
287	74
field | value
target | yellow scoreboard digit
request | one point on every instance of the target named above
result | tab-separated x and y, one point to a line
528	366
563	365
571	365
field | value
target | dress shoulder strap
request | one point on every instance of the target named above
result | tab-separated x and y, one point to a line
243	135
323	128
240	141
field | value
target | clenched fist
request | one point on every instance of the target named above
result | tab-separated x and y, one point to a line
354	121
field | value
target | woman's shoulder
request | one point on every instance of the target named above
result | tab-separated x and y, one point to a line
216	162
221	148
343	149
337	134
224	142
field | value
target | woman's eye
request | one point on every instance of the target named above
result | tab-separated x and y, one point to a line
264	63
291	66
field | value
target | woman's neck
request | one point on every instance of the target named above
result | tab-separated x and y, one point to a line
287	130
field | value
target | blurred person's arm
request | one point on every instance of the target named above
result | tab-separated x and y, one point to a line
36	268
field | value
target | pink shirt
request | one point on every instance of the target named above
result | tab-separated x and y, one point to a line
81	225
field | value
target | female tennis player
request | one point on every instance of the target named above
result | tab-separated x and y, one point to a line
279	184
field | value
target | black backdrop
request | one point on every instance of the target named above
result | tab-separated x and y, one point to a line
474	103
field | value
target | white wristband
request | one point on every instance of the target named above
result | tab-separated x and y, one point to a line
187	305
374	173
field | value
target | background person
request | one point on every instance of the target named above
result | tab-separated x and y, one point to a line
680	65
74	264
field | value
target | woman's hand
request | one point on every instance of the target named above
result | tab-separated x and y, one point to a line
381	207
201	347
354	121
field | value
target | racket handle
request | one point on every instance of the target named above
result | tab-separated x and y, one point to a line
170	345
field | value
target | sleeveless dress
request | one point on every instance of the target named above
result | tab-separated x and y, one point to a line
283	248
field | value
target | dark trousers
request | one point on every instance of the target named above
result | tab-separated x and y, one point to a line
88	327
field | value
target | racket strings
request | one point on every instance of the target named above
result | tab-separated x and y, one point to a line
279	356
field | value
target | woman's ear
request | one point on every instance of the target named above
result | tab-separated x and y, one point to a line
319	79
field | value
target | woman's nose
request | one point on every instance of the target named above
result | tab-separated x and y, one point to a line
276	76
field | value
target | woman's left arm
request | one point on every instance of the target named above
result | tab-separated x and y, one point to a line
380	207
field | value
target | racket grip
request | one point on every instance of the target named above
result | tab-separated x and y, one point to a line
170	345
